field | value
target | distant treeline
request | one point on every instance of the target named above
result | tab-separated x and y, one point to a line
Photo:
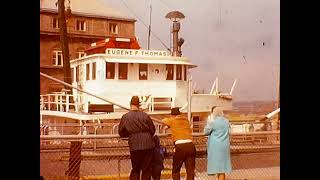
254	107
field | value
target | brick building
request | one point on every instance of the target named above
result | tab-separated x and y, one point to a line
90	21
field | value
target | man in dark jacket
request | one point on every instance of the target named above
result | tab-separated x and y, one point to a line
138	126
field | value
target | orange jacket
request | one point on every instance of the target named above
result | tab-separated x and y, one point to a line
179	126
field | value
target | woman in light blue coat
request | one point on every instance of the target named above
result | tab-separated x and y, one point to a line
218	151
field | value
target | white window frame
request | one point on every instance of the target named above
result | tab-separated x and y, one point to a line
80	54
56	54
114	70
176	72
93	72
127	71
88	71
83	25
147	72
114	30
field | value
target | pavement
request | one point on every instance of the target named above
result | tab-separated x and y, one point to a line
271	173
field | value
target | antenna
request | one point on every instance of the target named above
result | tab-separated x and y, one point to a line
213	86
217	91
234	83
149	25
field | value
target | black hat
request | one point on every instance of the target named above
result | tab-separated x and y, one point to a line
135	101
175	111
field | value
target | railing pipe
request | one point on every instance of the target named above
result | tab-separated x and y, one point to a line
68	85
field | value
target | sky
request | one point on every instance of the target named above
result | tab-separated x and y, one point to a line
228	39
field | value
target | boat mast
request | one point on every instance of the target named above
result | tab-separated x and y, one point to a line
149	25
64	42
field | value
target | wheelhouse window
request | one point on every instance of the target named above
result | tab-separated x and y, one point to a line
72	74
143	71
81	25
179	72
87	71
93	71
77	73
80	54
55	23
169	71
185	73
110	70
57	59
123	70
113	28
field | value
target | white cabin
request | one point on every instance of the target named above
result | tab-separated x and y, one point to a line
119	74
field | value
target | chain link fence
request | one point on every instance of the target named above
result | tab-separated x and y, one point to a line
254	155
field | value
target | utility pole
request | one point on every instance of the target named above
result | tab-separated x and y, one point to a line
64	43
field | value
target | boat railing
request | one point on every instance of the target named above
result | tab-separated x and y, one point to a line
159	103
60	101
86	128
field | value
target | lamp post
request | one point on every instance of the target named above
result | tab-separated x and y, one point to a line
64	41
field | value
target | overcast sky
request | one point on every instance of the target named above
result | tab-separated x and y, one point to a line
227	39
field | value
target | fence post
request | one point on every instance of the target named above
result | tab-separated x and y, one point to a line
95	140
73	171
119	168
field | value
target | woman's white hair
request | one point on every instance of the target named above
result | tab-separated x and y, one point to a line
217	111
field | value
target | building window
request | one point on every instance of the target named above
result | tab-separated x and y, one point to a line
110	70
113	28
80	54
55	23
185	72
179	72
93	71
123	70
81	25
57	58
169	71
87	71
143	71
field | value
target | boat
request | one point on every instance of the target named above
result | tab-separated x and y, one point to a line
114	70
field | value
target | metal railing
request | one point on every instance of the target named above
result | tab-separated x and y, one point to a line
97	127
61	102
82	128
254	155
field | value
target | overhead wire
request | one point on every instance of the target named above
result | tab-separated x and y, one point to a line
126	5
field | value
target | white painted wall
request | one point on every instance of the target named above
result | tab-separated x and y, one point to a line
152	75
205	102
121	91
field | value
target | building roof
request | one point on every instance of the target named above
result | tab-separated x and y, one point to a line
90	8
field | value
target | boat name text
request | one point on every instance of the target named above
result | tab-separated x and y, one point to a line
130	52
